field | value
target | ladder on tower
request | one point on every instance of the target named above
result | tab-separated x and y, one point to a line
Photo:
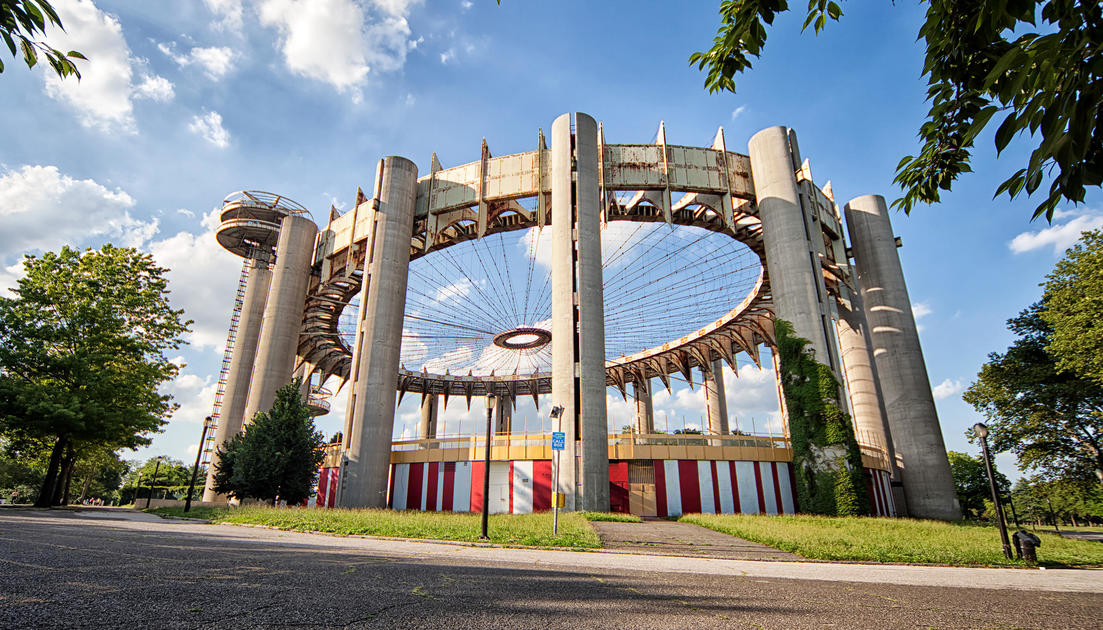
209	444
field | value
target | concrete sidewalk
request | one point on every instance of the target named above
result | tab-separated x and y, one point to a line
670	538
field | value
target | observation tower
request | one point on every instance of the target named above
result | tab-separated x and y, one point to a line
638	263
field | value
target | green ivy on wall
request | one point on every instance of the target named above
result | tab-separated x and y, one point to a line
826	460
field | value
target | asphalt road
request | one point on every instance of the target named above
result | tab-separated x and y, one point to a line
110	569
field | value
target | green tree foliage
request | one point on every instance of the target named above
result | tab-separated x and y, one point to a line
172	480
1052	420
1073	308
278	455
83	353
23	25
828	464
971	483
1036	63
1071	501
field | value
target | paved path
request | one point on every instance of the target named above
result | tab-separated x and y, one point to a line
107	569
669	538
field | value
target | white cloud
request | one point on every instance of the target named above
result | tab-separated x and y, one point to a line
466	4
1061	236
947	388
203	279
209	127
738	110
216	62
921	309
229	12
454	291
447	55
42	209
333	40
103	97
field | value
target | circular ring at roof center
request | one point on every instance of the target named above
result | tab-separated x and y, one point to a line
522	338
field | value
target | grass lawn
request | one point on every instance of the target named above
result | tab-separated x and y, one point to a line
507	529
614	517
892	540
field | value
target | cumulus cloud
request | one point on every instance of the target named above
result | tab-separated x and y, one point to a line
947	388
103	98
203	279
216	62
1060	236
228	12
335	41
209	127
42	209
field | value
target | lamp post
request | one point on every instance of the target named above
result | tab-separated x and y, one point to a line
981	432
153	480
195	469
491	400
556	414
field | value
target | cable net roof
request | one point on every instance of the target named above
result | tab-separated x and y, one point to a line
483	305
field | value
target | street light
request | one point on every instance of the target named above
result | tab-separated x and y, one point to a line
153	480
195	469
981	431
491	400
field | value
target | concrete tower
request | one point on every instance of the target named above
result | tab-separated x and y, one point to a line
901	371
578	313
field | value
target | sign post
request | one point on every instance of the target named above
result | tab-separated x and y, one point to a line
559	440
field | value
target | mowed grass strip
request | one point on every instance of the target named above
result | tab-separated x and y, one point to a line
507	529
893	540
611	517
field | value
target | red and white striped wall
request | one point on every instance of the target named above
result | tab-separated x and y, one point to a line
712	487
327	487
878	483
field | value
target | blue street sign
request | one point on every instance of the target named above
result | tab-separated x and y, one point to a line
559	440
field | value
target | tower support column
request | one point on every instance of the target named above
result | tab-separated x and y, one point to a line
645	411
715	399
427	426
578	317
236	394
379	335
283	314
503	416
901	370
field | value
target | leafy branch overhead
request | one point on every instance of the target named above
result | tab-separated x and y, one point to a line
981	65
23	27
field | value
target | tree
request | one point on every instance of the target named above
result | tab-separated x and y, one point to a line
980	62
23	25
83	353
971	483
1073	308
278	455
1052	420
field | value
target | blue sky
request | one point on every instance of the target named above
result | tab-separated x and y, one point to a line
185	102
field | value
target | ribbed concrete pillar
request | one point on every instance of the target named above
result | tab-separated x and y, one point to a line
236	393
283	314
715	400
503	416
912	419
866	402
796	280
578	332
379	336
645	411
427	426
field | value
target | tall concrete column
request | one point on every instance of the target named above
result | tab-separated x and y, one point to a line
909	405
645	411
283	314
578	313
427	426
503	416
236	394
796	277
715	400
379	335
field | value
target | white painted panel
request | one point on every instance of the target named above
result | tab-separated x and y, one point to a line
886	479
704	482
768	494
440	487
522	487
401	485
673	488
786	487
748	493
461	488
724	483
424	485
499	487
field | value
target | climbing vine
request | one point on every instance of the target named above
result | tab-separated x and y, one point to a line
826	459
